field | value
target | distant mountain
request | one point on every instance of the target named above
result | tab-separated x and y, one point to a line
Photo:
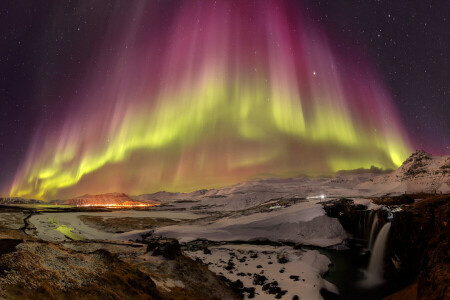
18	200
421	172
102	199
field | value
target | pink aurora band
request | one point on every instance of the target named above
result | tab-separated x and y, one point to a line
210	94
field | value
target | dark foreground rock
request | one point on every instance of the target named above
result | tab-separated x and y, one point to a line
41	270
419	246
168	248
8	245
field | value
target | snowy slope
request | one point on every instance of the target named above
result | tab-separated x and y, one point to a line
252	193
304	223
421	172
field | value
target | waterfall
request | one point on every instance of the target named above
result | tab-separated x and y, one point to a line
372	232
364	224
375	271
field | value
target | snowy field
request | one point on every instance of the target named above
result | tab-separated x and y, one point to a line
296	272
304	223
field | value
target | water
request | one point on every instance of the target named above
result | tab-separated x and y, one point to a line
346	272
372	232
374	272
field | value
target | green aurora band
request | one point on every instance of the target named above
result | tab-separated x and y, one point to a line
231	96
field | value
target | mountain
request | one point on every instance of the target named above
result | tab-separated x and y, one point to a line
421	172
18	200
102	200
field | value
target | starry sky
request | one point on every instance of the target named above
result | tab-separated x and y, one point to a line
53	57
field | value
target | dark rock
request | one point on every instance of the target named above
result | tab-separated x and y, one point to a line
396	200
9	245
230	266
328	295
273	289
418	247
347	212
259	279
282	258
294	277
238	284
239	288
168	248
251	292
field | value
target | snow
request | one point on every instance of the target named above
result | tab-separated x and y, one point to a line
419	173
304	223
308	265
47	230
249	194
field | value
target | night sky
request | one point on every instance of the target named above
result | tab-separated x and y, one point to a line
49	48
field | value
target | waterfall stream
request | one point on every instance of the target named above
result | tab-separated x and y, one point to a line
372	232
374	272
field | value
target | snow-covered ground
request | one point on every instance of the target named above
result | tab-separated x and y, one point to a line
420	173
304	223
301	275
47	230
249	194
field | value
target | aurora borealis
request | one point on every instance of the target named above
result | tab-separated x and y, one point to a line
225	91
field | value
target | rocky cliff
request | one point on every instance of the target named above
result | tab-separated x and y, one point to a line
419	246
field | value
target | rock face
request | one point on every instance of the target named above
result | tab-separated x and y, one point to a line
421	172
40	270
419	246
355	218
347	212
103	199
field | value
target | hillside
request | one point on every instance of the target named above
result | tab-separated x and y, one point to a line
421	172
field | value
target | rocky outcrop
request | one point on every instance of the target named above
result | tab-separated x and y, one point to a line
421	172
355	218
347	212
168	248
419	246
